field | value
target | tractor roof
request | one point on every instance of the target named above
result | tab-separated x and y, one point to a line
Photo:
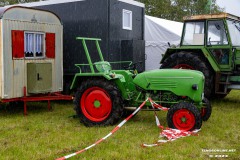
211	16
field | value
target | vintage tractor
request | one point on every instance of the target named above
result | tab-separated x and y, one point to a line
103	94
210	44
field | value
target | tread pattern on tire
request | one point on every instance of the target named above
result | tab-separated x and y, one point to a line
188	106
117	102
208	110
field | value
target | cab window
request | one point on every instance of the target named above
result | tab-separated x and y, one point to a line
193	33
216	33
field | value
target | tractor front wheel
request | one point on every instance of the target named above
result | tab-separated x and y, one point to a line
98	102
184	116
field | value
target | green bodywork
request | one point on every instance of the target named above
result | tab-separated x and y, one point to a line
178	82
165	85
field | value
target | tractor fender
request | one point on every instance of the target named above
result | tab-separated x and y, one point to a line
203	52
79	77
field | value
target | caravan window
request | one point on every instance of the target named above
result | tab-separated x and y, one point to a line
34	44
127	19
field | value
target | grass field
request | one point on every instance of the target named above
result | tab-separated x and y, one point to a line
49	135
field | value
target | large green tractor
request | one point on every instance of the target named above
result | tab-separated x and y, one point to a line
103	94
210	44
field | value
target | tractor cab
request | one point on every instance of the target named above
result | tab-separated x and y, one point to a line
219	34
210	44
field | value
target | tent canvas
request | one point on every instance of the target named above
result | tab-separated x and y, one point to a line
158	32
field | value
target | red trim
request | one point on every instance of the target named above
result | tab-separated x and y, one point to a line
88	102
183	66
17	44
38	97
50	45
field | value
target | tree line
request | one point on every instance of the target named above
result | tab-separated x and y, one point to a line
10	2
177	9
167	9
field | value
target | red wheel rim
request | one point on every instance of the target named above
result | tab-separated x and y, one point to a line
96	104
183	66
183	119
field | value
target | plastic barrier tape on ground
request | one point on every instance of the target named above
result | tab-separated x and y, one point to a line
104	138
170	134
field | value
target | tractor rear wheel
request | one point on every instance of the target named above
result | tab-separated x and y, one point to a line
207	110
188	60
184	116
98	102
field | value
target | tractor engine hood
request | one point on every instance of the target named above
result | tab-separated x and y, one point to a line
181	82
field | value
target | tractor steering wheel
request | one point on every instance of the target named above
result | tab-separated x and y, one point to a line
133	67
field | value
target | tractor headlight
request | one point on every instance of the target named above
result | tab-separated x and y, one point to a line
202	96
195	87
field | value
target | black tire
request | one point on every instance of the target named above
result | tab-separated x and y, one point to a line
195	62
184	116
106	105
207	110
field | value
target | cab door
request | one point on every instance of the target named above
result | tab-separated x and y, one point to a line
218	44
234	32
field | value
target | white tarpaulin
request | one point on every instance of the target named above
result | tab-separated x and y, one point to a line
158	32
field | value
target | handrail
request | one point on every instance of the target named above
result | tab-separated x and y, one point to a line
84	39
117	62
88	39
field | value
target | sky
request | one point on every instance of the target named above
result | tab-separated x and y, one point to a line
231	6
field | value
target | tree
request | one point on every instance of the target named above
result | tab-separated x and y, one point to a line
177	9
9	2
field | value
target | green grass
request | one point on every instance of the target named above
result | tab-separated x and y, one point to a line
48	135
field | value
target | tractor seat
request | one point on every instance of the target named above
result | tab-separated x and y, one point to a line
103	66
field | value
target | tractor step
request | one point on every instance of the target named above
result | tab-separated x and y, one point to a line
227	83
226	73
221	92
221	87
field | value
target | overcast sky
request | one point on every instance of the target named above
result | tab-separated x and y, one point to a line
231	6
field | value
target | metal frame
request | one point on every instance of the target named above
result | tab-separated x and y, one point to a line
38	97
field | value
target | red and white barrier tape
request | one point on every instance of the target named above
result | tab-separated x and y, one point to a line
170	134
104	138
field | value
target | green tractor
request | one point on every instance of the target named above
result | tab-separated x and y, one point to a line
103	94
210	44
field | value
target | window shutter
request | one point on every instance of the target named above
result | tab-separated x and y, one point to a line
17	44
50	45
